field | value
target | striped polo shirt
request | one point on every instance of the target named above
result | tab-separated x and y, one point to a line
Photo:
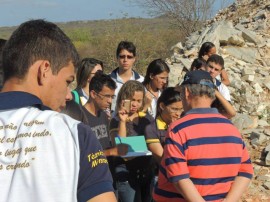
205	147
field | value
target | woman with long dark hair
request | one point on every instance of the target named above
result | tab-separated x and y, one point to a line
86	71
169	109
155	80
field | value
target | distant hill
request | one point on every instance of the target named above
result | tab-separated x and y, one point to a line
153	38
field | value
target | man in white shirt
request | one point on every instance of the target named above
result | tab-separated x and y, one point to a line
215	64
46	155
126	57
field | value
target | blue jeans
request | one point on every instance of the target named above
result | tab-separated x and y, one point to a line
134	186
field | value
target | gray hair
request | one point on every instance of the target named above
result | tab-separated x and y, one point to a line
200	90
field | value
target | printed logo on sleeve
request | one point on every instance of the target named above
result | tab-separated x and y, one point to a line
97	158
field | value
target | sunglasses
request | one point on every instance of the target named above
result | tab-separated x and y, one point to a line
126	56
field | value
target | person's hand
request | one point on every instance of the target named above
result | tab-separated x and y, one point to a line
148	98
123	113
205	57
122	149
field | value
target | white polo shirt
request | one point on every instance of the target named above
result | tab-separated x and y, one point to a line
223	89
47	156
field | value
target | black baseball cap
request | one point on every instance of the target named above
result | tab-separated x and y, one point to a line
198	77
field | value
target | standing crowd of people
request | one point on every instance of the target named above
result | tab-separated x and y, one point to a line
52	138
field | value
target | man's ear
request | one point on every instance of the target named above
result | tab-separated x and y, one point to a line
92	94
162	106
187	93
44	70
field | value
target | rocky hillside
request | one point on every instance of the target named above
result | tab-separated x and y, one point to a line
241	34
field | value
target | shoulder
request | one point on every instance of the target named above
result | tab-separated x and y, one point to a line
74	110
151	128
148	117
113	74
145	119
138	77
224	90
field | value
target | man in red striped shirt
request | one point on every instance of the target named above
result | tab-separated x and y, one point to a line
205	158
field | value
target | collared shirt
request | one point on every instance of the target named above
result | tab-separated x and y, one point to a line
223	89
42	150
152	109
206	148
156	131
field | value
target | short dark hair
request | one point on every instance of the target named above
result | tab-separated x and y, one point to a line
126	45
205	48
197	64
37	40
100	80
85	68
154	68
167	97
216	59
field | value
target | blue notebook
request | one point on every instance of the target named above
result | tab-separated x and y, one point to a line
136	146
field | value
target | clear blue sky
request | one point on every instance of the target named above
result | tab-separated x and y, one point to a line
14	12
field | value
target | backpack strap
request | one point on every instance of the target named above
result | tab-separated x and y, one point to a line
76	96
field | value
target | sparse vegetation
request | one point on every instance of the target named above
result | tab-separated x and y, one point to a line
99	39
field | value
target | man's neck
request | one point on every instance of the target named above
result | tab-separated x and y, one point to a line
15	84
91	108
125	74
200	102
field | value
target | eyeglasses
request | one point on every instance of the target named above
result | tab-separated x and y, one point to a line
126	56
107	96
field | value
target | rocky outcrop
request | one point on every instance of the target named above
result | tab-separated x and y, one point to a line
241	34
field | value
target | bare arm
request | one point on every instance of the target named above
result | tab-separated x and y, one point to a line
148	100
118	150
104	197
239	186
157	150
230	111
187	189
122	129
224	77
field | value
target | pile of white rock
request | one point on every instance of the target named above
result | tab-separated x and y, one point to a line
241	34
